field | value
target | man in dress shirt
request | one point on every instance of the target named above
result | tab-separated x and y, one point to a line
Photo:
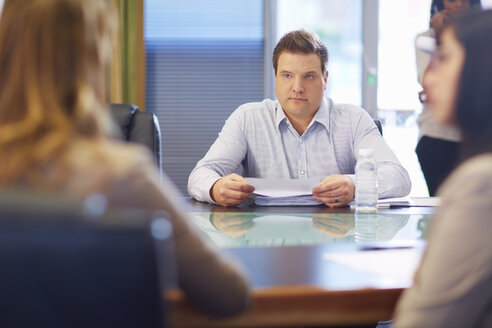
301	135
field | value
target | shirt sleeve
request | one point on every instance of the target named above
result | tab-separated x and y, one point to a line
204	274
453	285
223	158
393	179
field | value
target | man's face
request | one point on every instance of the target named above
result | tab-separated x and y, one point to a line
299	85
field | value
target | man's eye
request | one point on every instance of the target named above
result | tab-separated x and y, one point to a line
287	75
309	76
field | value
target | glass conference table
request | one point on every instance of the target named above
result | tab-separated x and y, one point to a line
311	266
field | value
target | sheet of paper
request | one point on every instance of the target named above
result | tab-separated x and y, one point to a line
393	265
400	200
283	187
410	201
304	200
426	201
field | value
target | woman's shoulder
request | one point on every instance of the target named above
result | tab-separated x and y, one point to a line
111	156
105	166
113	149
479	166
474	175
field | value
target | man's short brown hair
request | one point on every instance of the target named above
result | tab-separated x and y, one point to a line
301	41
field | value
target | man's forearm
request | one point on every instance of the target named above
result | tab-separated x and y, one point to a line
393	181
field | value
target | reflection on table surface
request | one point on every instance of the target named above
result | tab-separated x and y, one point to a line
319	279
256	229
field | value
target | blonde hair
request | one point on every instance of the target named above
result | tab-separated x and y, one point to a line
53	62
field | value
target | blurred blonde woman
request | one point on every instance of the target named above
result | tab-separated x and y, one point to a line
54	129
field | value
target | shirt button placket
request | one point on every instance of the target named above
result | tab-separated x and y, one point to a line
302	159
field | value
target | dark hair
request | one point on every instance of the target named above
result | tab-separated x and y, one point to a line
301	41
438	5
473	106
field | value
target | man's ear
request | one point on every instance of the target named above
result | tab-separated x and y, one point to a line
325	78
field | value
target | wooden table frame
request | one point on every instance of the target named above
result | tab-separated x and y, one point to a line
296	306
300	298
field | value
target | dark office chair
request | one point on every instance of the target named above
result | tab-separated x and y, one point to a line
140	127
378	124
63	264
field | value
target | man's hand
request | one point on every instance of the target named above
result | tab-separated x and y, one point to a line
335	191
333	224
234	225
231	190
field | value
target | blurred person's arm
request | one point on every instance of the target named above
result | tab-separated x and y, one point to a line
212	282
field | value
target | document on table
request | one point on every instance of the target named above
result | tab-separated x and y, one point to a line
284	192
409	202
426	201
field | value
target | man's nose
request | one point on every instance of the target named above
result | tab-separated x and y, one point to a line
297	85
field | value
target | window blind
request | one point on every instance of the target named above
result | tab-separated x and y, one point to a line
204	59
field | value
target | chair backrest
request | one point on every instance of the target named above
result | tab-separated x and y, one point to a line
140	127
378	124
64	265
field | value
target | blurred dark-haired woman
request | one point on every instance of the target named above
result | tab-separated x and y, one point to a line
453	286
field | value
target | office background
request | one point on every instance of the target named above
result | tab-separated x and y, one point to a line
205	58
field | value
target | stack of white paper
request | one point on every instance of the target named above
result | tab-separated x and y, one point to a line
306	200
285	192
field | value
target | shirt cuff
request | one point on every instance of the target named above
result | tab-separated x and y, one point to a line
352	177
202	192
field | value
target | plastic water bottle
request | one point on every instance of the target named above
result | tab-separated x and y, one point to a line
365	227
366	183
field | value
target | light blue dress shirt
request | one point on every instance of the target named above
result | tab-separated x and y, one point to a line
259	139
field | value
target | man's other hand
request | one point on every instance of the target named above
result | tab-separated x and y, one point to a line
335	190
231	190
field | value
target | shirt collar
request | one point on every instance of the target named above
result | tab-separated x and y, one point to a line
279	115
322	116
